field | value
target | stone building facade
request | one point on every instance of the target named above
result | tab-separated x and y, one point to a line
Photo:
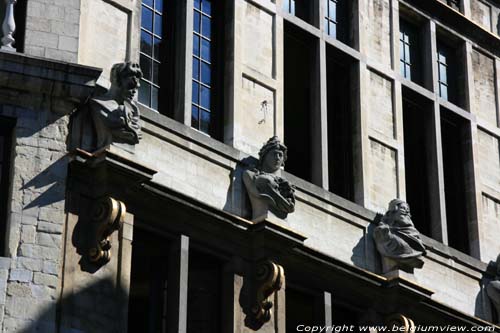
374	99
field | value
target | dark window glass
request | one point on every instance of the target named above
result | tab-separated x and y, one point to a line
409	51
302	308
151	30
204	294
336	18
6	132
447	73
148	283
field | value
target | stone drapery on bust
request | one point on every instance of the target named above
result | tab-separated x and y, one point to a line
115	114
267	190
493	290
397	239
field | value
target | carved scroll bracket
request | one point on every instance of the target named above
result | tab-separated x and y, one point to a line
107	217
269	279
399	323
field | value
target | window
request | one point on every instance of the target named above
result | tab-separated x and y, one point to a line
303	307
455	4
208	25
447	73
301	8
408	51
336	19
150	52
6	132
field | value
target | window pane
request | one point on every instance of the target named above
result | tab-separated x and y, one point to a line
292	7
332	11
205	121
194	117
408	71
157	44
156	72
205	73
146	67
147	19
407	53
443	77
206	26
158	25
443	91
148	2
206	6
146	43
196	69
401	51
333	29
196	45
145	93
402	68
205	97
197	4
196	22
326	26
159	5
205	50
196	93
154	98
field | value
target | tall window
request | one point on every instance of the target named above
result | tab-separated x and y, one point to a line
289	6
331	17
408	54
202	108
151	40
447	73
301	8
6	129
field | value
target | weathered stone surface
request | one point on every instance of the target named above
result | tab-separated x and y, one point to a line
383	175
484	104
20	275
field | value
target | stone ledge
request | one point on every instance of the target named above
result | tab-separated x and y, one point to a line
44	76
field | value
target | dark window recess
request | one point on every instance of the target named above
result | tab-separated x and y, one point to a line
344	315
455	4
417	156
6	146
447	73
299	49
204	309
410	52
336	21
453	137
207	77
340	128
303	308
300	8
148	283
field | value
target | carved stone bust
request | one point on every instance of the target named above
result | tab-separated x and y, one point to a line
493	290
115	114
397	239
268	191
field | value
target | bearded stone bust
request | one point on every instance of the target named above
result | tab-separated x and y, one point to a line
268	191
397	239
115	114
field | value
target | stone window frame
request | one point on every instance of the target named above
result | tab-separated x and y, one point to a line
408	43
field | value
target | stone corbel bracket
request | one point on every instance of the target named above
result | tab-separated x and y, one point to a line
107	217
269	279
400	323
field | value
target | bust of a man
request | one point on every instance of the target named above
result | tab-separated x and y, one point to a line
115	114
397	239
493	290
267	190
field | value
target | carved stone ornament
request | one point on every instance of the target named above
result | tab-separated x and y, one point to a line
397	239
400	323
269	279
267	190
107	217
493	290
115	114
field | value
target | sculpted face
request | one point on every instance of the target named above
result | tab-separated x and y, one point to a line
273	160
129	85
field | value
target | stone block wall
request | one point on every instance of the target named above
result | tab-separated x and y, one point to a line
482	14
36	220
52	29
376	18
484	104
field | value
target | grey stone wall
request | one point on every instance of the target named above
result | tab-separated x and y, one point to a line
52	29
484	104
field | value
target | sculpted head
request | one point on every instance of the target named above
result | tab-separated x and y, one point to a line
272	155
125	77
398	210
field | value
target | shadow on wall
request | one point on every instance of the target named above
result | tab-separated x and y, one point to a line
93	309
364	253
237	201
